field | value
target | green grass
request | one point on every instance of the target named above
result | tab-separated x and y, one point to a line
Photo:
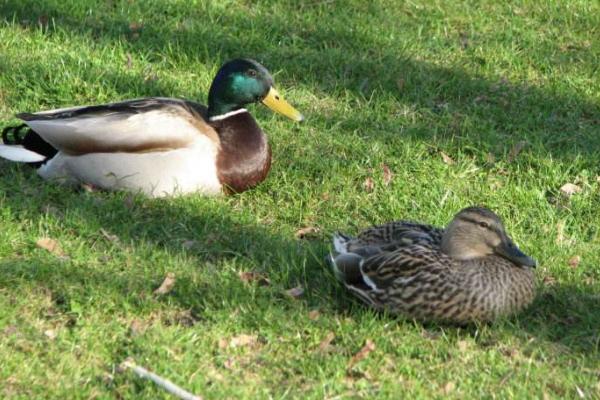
387	82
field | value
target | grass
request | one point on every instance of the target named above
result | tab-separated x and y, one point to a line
381	83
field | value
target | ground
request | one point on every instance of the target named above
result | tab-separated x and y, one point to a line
413	110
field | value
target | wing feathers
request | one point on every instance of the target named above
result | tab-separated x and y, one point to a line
133	126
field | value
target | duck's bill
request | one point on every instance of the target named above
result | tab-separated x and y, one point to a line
511	252
276	103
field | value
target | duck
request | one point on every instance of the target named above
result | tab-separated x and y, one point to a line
469	271
157	146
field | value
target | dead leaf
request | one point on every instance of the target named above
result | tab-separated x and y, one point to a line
50	245
368	184
167	284
580	392
244	340
254	277
50	334
129	60
549	280
325	344
569	189
305	232
136	328
446	158
313	315
229	363
295	292
108	236
515	150
449	388
400	84
574	261
463	345
388	175
362	353
190	244
135	26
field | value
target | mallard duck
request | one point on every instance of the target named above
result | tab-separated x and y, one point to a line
469	271
158	146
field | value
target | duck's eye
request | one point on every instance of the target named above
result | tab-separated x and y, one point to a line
252	73
484	224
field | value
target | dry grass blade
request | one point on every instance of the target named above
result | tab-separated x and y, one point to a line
362	353
167	284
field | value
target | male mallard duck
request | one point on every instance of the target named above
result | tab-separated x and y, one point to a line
469	271
159	146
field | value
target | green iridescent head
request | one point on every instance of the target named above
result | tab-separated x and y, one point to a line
243	81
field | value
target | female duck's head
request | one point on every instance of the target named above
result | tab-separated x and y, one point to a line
243	81
477	232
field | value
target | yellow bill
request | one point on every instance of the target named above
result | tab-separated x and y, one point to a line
276	103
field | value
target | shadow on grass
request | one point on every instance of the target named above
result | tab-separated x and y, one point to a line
328	58
565	315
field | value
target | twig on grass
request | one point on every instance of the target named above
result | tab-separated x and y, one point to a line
162	382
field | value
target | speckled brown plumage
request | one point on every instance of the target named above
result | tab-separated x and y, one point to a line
403	267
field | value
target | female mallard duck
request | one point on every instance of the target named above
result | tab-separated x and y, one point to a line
469	271
159	146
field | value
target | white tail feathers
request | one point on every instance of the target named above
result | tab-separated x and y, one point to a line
19	154
340	242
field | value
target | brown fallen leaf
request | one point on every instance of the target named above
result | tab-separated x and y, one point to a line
313	315
574	261
50	334
136	328
362	353
368	184
50	245
446	158
295	292
388	175
254	277
167	284
243	340
449	387
135	26
463	345
569	189
305	232
325	344
549	280
516	150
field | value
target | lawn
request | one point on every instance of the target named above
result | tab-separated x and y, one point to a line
464	102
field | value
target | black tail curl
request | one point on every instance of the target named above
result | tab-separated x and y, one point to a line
24	136
14	134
